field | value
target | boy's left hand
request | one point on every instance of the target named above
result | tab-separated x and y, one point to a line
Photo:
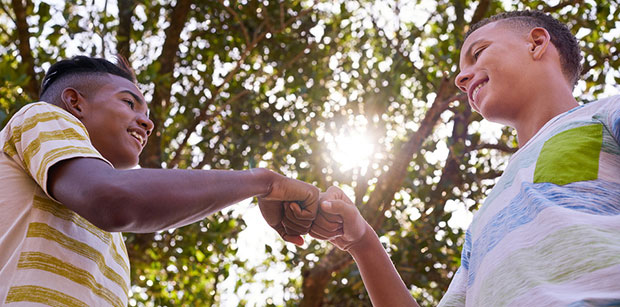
327	225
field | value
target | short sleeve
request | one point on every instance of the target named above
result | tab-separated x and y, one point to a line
41	135
456	294
457	291
613	118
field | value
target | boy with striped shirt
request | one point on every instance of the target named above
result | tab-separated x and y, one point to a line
67	189
547	234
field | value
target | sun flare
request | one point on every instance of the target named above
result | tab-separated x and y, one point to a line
352	151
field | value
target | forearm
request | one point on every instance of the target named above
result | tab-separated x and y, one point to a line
384	285
174	198
147	200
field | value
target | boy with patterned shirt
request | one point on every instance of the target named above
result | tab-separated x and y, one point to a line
547	234
66	191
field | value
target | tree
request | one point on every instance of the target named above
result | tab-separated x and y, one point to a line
240	84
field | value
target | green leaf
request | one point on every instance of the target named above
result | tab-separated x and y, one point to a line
199	256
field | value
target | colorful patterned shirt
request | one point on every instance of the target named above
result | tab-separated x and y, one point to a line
48	253
548	234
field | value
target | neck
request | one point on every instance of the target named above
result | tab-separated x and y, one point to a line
549	103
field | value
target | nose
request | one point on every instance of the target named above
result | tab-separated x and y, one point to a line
146	123
462	79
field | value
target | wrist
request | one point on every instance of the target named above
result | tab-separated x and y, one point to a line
368	239
264	179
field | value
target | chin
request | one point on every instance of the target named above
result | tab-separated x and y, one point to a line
493	114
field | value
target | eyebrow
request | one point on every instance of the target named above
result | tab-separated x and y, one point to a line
468	53
138	99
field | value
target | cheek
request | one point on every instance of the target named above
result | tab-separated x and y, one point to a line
507	77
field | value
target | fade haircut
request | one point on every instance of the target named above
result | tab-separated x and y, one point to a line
81	72
561	37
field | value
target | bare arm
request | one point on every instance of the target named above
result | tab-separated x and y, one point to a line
384	285
146	200
340	222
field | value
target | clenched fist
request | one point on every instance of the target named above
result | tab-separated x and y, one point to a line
338	220
290	207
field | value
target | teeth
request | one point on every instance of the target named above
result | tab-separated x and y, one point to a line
137	136
475	94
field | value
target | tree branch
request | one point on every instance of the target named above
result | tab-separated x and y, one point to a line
315	279
244	30
397	46
201	118
152	152
481	11
8	14
282	14
361	188
391	180
388	183
32	87
450	176
123	37
3	30
489	175
500	147
216	92
104	29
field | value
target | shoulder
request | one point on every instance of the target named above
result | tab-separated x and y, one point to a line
611	100
39	112
37	120
607	111
607	104
37	109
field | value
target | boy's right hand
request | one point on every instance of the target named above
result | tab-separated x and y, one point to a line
338	220
290	221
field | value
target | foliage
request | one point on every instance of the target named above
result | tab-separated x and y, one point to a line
242	84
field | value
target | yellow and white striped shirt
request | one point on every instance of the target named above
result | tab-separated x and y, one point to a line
49	254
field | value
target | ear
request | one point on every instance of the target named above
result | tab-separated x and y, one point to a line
73	102
539	40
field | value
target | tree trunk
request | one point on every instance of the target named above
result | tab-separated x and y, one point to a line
315	280
152	155
314	284
32	87
125	11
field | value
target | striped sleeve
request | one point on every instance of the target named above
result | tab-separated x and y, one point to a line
41	135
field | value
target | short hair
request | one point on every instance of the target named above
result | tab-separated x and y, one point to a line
82	67
561	37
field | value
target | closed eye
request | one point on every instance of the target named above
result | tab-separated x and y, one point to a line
130	103
478	52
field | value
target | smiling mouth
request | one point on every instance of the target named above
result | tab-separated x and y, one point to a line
137	137
474	95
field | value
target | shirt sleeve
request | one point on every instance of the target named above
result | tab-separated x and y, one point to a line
41	135
613	118
456	295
